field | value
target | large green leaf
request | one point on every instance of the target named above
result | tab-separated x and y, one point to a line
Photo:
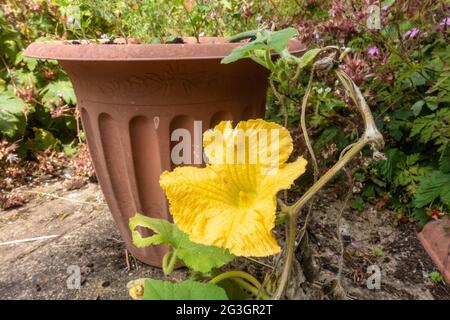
186	290
12	118
433	185
278	40
196	256
243	51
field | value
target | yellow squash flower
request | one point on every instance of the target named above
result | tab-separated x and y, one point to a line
231	203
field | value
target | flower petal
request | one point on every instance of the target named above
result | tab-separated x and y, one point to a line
208	208
191	190
251	142
282	179
233	205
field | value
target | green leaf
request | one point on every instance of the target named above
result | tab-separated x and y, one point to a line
278	40
233	290
60	89
24	78
243	51
12	118
44	139
445	195
433	185
432	102
412	159
416	79
387	3
417	107
31	63
196	256
358	203
378	252
186	290
388	166
436	277
444	161
327	135
308	57
421	217
70	149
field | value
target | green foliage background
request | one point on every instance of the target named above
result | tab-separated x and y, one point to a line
403	70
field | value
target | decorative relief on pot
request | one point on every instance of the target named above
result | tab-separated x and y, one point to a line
166	84
163	84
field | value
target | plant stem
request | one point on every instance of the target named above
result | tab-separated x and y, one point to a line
371	136
236	274
168	262
244	284
254	287
295	208
243	35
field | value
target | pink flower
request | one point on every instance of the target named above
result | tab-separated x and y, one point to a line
412	33
384	8
372	51
259	18
445	22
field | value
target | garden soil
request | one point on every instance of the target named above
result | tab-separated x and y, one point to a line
84	238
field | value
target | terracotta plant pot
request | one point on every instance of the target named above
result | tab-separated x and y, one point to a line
435	238
133	96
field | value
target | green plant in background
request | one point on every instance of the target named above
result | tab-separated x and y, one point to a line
404	73
38	116
378	252
402	69
158	21
39	95
36	98
436	277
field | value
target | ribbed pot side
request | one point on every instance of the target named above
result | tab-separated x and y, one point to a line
129	110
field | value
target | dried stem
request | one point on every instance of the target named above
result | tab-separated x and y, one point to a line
371	136
338	227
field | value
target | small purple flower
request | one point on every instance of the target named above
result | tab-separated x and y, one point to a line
412	33
354	245
259	18
445	22
12	158
384	8
373	51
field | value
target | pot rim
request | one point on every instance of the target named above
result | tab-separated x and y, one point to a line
208	48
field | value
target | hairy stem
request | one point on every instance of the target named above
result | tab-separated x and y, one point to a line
168	262
256	291
254	287
236	274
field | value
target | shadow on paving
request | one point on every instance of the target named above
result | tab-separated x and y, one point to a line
87	238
